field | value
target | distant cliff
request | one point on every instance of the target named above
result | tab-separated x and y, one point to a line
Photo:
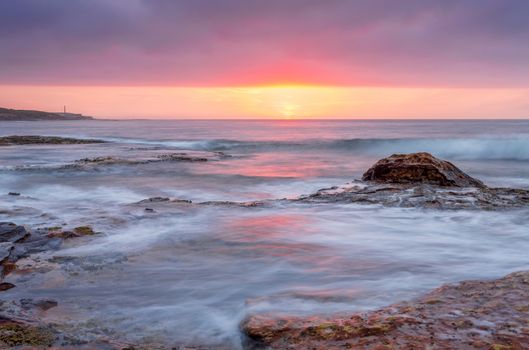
15	114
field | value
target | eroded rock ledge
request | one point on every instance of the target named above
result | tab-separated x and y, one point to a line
17	242
95	163
469	315
421	180
416	180
43	140
422	196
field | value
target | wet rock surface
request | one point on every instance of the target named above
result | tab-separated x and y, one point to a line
416	180
467	315
166	202
166	157
422	196
43	140
419	168
14	334
12	233
138	158
17	242
422	181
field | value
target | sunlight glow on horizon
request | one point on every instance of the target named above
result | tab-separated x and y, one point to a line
271	102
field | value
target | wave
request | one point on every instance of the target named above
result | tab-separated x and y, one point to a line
450	148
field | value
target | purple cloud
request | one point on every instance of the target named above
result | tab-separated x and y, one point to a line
232	42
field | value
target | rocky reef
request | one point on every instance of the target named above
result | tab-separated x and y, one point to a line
43	140
469	315
164	157
420	180
422	196
17	242
20	326
136	158
416	180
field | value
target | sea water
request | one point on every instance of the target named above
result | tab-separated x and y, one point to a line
190	275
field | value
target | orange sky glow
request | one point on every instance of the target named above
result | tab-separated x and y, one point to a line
273	101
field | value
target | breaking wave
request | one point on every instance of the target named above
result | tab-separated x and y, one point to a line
451	148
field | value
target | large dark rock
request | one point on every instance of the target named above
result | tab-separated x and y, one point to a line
419	168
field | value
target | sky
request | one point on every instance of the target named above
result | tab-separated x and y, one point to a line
267	58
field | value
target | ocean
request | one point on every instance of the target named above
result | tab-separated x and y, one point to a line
191	275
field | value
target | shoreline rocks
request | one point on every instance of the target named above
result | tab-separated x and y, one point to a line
407	181
43	140
17	242
468	315
422	196
21	325
17	333
130	160
164	157
422	181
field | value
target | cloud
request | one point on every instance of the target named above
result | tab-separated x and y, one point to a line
240	42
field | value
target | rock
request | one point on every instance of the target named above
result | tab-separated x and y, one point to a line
180	157
17	243
154	200
84	231
422	181
422	196
6	286
5	250
9	232
62	234
42	304
419	168
99	160
43	140
77	232
16	334
6	268
14	194
468	315
134	160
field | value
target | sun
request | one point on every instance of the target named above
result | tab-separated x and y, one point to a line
288	110
281	101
